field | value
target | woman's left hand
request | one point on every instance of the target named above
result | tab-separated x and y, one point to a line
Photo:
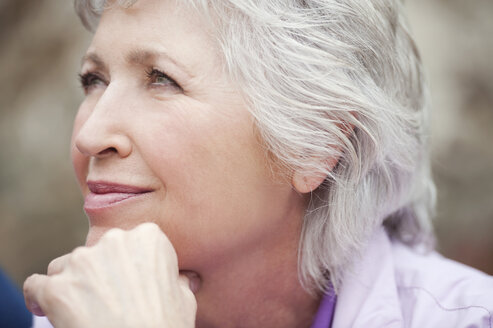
128	279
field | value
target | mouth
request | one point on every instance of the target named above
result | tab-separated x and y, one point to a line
106	194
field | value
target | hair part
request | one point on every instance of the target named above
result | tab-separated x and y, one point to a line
311	71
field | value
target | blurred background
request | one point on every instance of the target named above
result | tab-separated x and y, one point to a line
42	41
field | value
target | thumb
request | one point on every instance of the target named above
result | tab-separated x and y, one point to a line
33	293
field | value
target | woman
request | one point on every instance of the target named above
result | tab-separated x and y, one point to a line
279	150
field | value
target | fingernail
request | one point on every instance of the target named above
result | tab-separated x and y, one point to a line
36	309
194	280
195	284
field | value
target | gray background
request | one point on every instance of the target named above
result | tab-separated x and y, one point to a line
41	43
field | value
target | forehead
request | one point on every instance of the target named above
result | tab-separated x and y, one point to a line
165	25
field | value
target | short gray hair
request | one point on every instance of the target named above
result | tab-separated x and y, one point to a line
332	79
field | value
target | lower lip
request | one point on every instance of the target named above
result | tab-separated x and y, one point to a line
94	201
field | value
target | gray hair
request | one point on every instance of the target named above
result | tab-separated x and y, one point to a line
332	79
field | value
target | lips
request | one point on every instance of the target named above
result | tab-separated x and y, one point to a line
107	194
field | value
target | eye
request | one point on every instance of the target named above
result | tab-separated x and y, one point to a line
158	78
90	81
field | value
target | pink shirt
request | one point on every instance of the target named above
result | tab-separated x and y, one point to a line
394	286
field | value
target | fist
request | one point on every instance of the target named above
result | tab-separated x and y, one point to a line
128	279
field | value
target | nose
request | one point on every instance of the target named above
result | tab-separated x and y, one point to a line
104	133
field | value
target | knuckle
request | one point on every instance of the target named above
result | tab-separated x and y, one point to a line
79	251
147	227
168	247
113	233
171	254
189	299
28	284
53	266
148	233
112	236
79	255
52	294
161	238
163	246
50	290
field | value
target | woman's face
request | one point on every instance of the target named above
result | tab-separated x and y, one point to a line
163	136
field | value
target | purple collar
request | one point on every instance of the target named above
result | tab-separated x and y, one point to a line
325	313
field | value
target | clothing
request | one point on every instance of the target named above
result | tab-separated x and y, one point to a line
41	322
13	311
393	286
325	312
322	319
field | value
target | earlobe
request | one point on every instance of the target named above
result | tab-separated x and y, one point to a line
305	182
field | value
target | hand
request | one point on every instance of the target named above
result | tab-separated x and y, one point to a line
128	279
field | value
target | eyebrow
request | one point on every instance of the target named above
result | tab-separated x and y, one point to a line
136	56
95	59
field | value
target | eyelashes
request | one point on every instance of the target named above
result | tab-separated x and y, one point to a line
90	80
159	78
154	78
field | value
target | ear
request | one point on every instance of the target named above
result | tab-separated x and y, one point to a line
305	182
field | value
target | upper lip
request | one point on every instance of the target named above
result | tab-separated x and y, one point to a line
104	187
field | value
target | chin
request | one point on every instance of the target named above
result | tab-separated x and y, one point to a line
94	235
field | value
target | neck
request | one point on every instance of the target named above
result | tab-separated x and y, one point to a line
259	289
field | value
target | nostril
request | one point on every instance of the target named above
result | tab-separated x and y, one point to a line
103	143
107	151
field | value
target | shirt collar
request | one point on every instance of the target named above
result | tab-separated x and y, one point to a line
325	312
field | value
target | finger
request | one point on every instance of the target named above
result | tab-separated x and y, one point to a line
111	234
188	289
58	265
147	230
191	280
33	292
149	234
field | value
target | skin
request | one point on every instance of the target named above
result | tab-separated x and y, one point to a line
128	279
193	144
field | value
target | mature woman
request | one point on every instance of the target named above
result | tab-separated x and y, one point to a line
279	149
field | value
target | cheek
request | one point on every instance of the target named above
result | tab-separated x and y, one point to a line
220	197
184	147
203	159
80	162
